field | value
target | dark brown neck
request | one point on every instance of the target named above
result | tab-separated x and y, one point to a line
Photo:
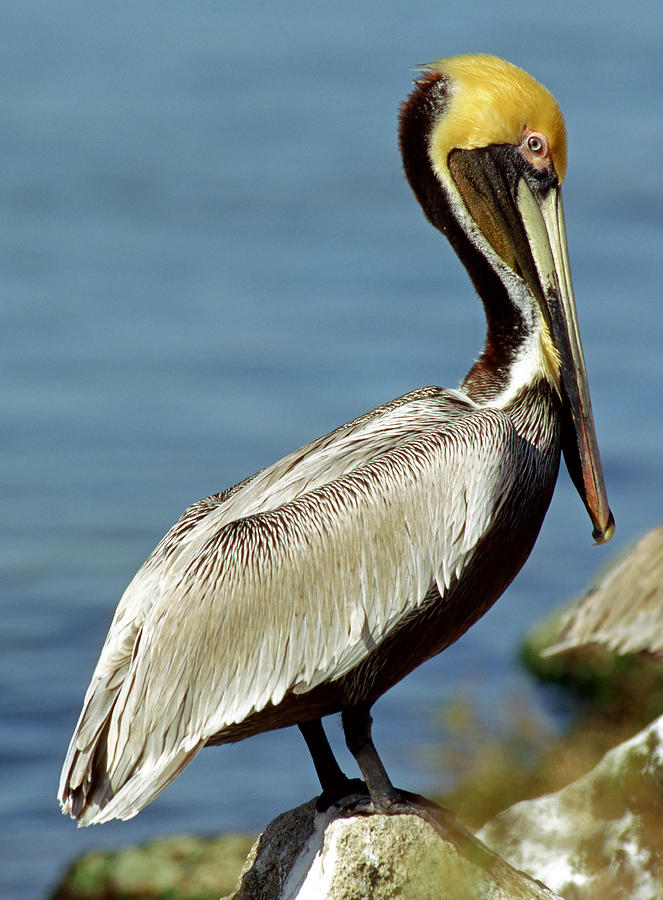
505	325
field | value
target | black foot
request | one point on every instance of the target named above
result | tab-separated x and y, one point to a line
390	801
343	790
396	802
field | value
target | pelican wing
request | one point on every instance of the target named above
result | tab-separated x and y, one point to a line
282	583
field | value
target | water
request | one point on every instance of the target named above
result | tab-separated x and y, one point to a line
208	256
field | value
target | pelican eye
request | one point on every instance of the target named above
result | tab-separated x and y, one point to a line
536	144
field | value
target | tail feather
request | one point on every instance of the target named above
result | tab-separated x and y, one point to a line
92	790
108	802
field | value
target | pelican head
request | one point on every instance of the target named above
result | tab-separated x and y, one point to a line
484	149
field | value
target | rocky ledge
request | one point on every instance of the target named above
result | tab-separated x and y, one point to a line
305	855
599	838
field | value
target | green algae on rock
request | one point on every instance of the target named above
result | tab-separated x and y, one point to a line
180	868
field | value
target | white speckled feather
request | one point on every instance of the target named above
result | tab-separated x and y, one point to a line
325	551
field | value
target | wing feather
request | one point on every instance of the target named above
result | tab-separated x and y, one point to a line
285	582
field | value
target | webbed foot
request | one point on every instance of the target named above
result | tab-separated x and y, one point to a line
352	790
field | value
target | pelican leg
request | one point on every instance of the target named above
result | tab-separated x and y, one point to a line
357	722
389	800
334	782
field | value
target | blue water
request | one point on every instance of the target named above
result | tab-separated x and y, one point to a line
208	256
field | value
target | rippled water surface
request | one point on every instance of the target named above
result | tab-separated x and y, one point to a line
208	256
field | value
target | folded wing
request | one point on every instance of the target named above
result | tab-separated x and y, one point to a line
280	584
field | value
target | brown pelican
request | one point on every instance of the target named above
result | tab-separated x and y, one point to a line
315	585
623	611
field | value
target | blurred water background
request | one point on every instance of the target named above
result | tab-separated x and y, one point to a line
209	256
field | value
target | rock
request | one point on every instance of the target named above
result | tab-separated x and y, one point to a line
305	855
180	868
599	838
